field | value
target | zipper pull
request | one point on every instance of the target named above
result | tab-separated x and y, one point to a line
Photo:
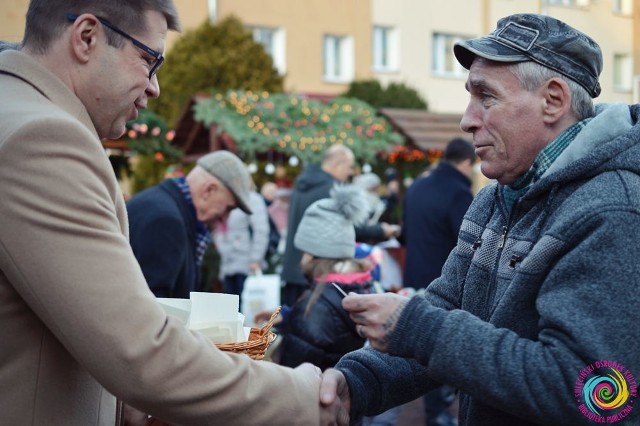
515	259
502	237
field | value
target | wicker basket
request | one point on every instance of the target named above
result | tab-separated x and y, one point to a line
255	347
258	343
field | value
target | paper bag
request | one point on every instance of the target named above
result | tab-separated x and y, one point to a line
260	293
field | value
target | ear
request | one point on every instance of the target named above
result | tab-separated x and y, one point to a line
208	189
556	100
84	37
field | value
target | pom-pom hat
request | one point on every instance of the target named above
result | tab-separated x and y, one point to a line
327	227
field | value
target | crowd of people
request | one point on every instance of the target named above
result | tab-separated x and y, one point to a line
526	289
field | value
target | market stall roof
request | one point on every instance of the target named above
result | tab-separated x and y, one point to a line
194	138
425	130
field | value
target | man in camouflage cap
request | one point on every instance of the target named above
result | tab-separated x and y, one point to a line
541	39
537	292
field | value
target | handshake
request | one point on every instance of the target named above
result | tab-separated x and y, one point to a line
335	401
375	317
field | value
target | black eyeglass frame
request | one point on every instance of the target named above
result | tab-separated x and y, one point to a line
157	56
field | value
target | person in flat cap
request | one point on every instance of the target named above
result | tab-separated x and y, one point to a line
539	288
169	224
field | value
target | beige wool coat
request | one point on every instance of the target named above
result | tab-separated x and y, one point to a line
78	323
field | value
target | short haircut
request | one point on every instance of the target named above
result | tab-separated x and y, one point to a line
532	75
47	19
7	45
459	150
336	153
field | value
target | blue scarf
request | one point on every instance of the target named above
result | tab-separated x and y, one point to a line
203	236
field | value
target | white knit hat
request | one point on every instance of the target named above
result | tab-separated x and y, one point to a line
326	229
367	181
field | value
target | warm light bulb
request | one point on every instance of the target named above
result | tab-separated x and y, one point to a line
269	168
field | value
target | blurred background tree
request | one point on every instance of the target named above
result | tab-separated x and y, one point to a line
222	56
395	95
151	151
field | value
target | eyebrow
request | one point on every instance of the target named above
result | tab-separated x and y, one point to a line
478	84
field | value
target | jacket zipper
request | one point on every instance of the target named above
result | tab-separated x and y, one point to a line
491	288
502	236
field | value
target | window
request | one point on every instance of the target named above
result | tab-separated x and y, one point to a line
273	40
444	61
622	72
385	49
574	3
213	10
338	59
623	7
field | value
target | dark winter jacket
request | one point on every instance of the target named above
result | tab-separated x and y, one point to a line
312	185
162	232
433	210
326	333
527	302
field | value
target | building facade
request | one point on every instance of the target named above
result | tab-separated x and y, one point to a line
320	46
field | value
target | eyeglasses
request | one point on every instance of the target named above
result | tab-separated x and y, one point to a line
157	56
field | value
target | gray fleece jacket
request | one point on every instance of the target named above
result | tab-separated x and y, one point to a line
527	301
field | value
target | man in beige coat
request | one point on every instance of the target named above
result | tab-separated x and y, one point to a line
78	323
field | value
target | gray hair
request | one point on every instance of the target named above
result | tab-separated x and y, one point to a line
7	45
46	19
532	75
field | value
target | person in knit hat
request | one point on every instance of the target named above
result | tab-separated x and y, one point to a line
317	329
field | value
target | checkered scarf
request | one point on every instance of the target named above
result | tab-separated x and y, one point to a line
203	236
542	162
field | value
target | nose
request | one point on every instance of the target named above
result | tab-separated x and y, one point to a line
153	88
470	119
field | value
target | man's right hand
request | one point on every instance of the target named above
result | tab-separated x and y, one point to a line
334	398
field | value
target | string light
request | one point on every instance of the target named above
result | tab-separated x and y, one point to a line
296	126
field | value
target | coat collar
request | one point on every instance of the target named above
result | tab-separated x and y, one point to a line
26	68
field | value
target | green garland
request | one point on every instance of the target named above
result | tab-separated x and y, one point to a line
296	126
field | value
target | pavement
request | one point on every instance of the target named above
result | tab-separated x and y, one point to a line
412	414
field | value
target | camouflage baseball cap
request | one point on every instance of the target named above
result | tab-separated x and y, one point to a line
539	38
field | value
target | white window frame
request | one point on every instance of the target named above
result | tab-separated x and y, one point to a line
213	10
385	40
444	63
274	44
622	72
338	58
